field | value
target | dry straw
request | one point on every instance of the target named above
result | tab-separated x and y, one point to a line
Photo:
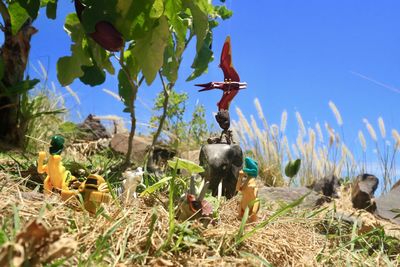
336	112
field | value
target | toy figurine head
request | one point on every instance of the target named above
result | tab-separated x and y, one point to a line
250	167
57	145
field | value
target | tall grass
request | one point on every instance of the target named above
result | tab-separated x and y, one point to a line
322	150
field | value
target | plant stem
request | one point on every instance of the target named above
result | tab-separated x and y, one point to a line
135	86
166	90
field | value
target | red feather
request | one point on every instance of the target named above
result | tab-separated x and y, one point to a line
226	62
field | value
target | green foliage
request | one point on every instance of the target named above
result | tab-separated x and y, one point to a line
87	59
292	168
181	133
18	16
156	31
184	164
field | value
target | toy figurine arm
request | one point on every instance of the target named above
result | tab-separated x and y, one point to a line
239	181
41	168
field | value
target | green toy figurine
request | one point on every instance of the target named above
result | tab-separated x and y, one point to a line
249	189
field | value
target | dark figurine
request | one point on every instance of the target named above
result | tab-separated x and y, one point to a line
230	87
222	163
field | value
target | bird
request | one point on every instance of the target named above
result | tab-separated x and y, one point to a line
231	84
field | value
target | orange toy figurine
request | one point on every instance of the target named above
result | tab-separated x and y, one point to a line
58	178
249	190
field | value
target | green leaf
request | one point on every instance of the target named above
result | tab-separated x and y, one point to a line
124	88
292	168
18	16
21	87
68	69
151	189
157	9
173	9
31	7
149	50
223	12
202	59
101	10
51	9
200	20
185	164
100	56
93	75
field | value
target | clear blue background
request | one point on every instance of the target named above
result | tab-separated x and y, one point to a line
294	55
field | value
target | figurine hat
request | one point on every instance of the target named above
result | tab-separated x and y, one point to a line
57	145
250	167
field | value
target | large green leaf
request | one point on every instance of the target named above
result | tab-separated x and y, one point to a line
18	16
149	50
31	7
93	75
199	10
202	59
70	67
184	164
157	9
173	8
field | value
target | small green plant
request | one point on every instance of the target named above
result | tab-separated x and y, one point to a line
292	169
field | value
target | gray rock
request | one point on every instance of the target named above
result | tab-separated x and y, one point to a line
327	186
385	204
290	194
363	191
221	162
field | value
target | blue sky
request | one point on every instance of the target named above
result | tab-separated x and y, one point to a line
294	55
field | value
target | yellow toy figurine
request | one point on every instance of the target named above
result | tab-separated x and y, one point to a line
58	178
249	190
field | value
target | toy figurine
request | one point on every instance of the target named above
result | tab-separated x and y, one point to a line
58	178
230	87
194	206
93	190
249	190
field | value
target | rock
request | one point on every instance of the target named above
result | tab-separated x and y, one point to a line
91	129
363	192
327	186
397	184
386	203
141	145
222	162
290	194
119	143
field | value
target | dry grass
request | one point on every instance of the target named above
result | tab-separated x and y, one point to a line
124	232
119	236
322	152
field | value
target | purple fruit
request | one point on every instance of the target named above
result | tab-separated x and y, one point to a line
105	33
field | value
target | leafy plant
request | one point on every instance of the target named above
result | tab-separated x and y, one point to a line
155	34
